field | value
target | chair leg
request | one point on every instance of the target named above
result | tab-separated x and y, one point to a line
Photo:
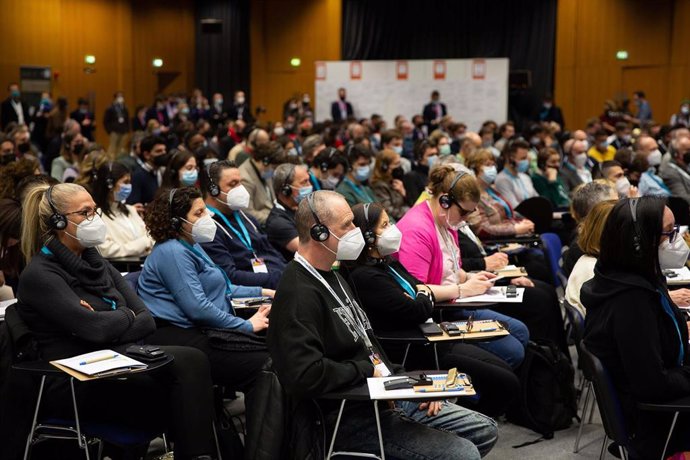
438	367
81	439
603	447
407	351
670	432
594	403
165	442
215	438
378	426
582	421
335	429
624	453
33	424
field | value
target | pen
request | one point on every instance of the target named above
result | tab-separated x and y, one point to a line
96	360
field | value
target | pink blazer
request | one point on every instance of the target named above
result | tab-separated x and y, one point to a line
420	251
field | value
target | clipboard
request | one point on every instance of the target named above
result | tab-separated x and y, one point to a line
85	378
483	329
511	271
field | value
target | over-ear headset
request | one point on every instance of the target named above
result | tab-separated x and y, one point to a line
57	220
175	222
446	200
637	237
368	233
326	162
94	171
109	178
213	188
384	165
319	232
286	189
266	160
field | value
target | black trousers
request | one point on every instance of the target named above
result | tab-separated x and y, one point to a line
177	398
493	379
540	312
235	369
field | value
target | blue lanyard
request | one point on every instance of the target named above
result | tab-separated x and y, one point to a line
669	311
314	181
244	237
359	191
403	282
228	284
46	251
659	182
501	201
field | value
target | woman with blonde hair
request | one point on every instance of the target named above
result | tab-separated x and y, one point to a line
388	185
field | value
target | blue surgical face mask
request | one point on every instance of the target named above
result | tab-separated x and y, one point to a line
398	149
362	173
489	174
444	149
523	165
303	193
123	192
189	177
431	161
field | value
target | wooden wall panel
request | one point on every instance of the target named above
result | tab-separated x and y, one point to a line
280	30
589	32
124	35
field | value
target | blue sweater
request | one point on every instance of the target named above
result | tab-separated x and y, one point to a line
185	289
228	251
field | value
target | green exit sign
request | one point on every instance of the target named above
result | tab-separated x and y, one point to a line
621	55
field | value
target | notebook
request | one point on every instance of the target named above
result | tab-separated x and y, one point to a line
98	364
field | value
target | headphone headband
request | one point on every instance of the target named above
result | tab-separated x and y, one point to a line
175	221
286	189
637	236
318	231
368	233
57	220
447	200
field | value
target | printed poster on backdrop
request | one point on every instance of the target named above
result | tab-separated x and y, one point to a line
439	70
320	70
478	69
402	70
355	70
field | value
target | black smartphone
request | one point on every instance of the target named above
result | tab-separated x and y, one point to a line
511	292
430	329
148	353
450	328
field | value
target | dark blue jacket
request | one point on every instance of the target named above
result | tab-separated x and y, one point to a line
228	251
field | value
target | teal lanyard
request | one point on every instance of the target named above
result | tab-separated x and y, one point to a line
359	191
314	181
402	282
659	182
228	284
244	236
501	201
669	312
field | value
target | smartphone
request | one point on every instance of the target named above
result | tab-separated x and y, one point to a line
450	328
511	292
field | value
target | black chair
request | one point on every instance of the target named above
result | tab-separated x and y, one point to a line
680	208
539	210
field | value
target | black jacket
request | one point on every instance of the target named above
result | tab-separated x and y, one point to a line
8	115
636	339
116	119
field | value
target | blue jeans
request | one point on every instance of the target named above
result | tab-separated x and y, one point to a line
408	433
510	348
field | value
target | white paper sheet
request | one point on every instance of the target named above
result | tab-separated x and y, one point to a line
495	295
105	361
378	392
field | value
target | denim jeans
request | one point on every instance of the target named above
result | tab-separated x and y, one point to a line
510	348
409	434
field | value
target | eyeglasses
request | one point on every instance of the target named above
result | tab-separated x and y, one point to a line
463	211
87	214
672	234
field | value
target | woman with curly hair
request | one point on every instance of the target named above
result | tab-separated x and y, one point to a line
190	296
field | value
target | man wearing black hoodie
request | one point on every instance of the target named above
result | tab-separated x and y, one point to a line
321	341
633	325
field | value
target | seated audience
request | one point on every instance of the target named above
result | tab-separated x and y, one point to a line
327	169
387	184
181	171
240	248
430	252
311	343
601	151
291	185
575	170
257	178
425	157
513	183
354	186
126	234
72	147
75	302
148	174
547	178
189	295
676	172
647	153
394	300
613	172
634	327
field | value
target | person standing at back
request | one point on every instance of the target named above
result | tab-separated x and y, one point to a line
341	109
116	124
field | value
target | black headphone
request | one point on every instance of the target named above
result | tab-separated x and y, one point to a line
266	160
319	232
109	179
94	171
213	188
637	237
368	233
446	200
286	189
384	165
175	222
57	220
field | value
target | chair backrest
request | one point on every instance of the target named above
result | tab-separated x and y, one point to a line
576	320
552	249
539	210
680	208
132	279
607	398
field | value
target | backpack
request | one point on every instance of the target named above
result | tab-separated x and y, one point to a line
547	401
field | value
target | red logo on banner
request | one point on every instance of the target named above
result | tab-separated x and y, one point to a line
439	70
478	69
401	69
320	70
355	70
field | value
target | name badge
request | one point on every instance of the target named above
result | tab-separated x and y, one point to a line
259	266
379	365
120	120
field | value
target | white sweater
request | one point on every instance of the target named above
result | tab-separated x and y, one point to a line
126	235
583	271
